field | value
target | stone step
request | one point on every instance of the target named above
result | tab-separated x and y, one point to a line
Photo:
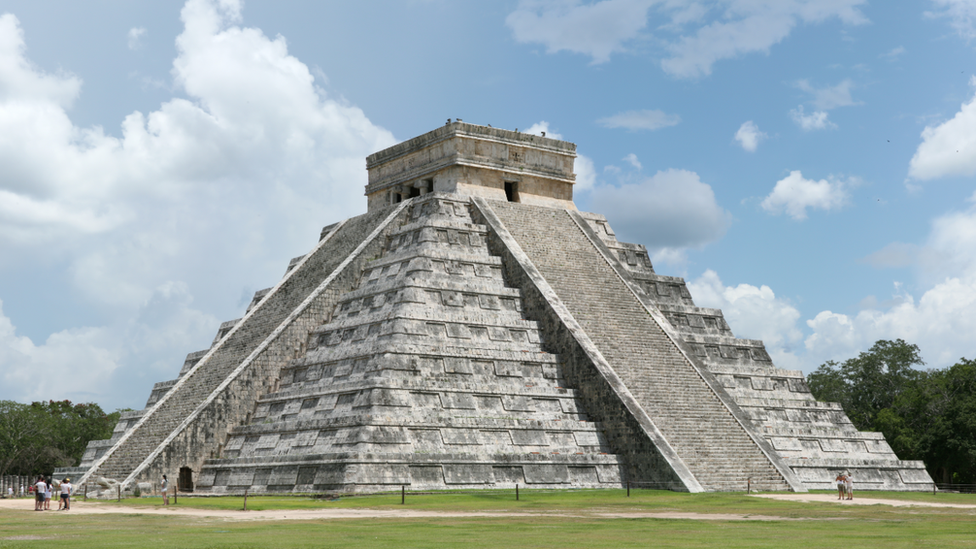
634	345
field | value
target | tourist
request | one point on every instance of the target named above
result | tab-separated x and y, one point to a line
840	485
849	485
48	492
65	495
39	488
163	487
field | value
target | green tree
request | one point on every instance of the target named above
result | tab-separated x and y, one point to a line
36	438
925	415
869	383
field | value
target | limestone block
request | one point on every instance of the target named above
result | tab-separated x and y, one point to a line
546	474
468	473
529	437
460	436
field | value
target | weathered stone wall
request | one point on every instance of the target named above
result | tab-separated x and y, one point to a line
427	375
189	423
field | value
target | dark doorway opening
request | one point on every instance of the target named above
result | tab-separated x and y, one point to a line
414	192
511	191
185	482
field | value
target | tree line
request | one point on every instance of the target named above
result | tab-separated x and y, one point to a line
36	438
927	415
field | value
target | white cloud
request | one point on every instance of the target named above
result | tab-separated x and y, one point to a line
633	160
794	194
721	29
830	97
941	322
585	173
816	120
961	14
85	364
747	26
640	120
542	128
672	209
753	313
894	54
198	199
596	30
135	37
749	136
948	149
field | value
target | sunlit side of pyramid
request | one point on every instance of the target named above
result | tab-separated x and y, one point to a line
473	329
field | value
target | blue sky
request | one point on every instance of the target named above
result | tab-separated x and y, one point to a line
808	166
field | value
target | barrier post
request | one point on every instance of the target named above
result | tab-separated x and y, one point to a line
403	494
749	485
516	492
245	499
628	488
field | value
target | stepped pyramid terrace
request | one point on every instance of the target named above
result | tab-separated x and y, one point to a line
473	329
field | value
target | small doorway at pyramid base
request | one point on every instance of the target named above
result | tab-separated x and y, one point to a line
511	191
185	480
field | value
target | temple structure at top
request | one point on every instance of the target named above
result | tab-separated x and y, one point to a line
470	160
473	329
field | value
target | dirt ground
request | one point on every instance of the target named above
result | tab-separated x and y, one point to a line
859	500
83	508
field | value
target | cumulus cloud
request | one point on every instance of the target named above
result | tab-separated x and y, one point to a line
940	321
633	161
949	148
596	30
745	27
696	35
83	364
830	97
794	194
673	209
753	313
135	37
749	136
961	15
640	120
204	196
816	120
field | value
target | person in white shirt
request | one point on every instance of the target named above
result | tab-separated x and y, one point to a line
65	503
39	489
164	486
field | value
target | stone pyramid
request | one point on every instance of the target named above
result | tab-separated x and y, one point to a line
473	329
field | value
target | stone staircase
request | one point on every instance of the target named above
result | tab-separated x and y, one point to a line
201	406
703	431
816	439
427	374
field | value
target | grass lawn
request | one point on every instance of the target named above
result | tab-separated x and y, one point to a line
822	526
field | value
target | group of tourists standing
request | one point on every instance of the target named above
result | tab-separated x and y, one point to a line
43	490
845	486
